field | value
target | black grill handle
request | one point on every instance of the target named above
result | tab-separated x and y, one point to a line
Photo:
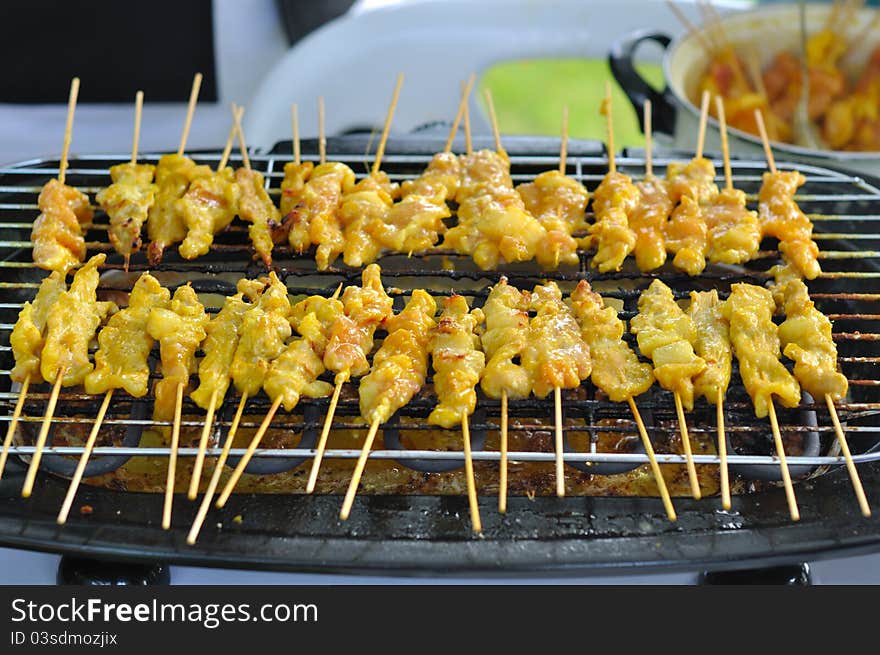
620	58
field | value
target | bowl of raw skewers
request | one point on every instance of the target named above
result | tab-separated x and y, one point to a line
755	60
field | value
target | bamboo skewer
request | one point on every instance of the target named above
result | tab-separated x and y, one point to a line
358	471
322	136
649	154
493	118
380	150
768	151
688	453
13	423
652	458
237	113
850	465
722	450
473	504
704	115
468	144
294	125
203	446
557	442
325	434
725	147
690	27
68	129
190	110
172	459
28	486
218	471
84	459
138	109
502	472
783	463
249	453
245	158
563	145
609	118
465	94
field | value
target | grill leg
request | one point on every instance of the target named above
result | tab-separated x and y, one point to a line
103	573
793	575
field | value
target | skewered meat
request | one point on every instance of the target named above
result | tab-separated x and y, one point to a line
57	233
695	178
294	373
687	235
507	326
292	188
165	223
614	200
666	335
755	339
559	203
648	221
401	363
734	231
124	344
256	207
28	333
712	344
362	215
457	360
416	222
440	178
223	333
208	207
179	329
351	336
492	220
616	369
805	336
315	218
555	355
782	218
127	202
264	329
71	325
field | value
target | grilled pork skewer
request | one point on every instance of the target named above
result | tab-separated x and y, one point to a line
57	233
667	335
71	324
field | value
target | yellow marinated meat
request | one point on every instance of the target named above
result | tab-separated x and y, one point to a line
559	203
351	335
315	220
440	178
695	179
294	373
734	230
614	200
57	234
71	325
401	363
221	343
127	203
458	362
755	339
781	217
179	329
264	330
493	223
616	368
648	221
165	223
415	223
712	343
124	344
362	216
507	327
555	354
666	335
294	184
256	207
687	235
29	331
806	338
208	207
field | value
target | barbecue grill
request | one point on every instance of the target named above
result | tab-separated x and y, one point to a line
421	524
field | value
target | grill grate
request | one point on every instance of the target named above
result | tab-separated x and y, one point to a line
844	209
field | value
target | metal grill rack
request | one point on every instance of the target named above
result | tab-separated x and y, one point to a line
845	210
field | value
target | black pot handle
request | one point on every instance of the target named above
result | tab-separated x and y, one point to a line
636	88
